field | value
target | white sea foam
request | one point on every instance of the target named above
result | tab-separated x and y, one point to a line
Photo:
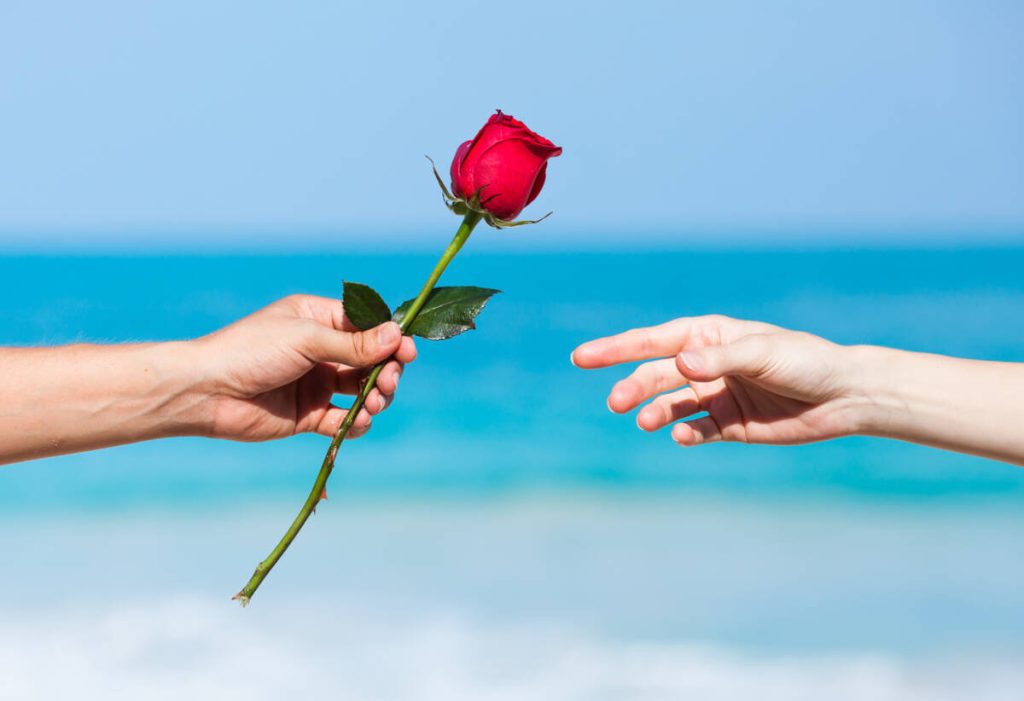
561	598
191	648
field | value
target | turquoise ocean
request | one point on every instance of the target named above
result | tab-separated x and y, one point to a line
500	534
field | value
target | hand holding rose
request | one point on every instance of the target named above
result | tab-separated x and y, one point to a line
274	373
270	375
494	176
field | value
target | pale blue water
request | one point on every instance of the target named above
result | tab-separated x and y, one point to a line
502	408
500	534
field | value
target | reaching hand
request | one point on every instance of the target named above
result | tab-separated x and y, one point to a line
273	373
758	383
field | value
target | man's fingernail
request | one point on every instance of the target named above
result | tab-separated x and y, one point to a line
388	333
692	360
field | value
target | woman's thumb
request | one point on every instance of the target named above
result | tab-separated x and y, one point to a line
747	356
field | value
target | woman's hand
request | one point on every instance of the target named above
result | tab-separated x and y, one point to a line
273	373
758	383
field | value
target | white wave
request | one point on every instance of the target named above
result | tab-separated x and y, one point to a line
195	649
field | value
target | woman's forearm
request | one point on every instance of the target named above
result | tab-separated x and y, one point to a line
970	406
81	397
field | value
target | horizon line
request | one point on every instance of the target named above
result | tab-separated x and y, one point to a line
312	239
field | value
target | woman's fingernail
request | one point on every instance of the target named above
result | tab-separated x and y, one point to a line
572	359
388	333
396	377
381	402
640	415
692	360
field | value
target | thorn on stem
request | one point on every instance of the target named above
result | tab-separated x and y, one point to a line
323	495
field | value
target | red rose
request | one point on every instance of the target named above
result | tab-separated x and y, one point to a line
504	165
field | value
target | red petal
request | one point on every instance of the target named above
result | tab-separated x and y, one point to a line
504	126
456	170
499	128
505	163
538	184
507	172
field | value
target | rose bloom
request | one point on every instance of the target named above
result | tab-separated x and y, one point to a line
504	165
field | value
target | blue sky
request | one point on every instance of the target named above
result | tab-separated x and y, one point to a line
302	122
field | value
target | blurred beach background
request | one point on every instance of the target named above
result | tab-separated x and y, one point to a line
851	169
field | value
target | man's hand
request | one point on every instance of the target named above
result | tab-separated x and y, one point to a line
273	373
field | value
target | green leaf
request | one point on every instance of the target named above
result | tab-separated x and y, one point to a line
448	311
363	306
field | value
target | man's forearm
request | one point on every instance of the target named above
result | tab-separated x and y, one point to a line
970	406
81	397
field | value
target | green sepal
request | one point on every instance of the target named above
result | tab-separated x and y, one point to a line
448	196
461	206
448	312
503	224
363	306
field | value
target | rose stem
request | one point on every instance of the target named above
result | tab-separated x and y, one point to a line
263	569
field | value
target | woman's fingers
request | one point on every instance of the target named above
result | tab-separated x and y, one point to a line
646	381
668	408
635	344
750	356
696	432
665	339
